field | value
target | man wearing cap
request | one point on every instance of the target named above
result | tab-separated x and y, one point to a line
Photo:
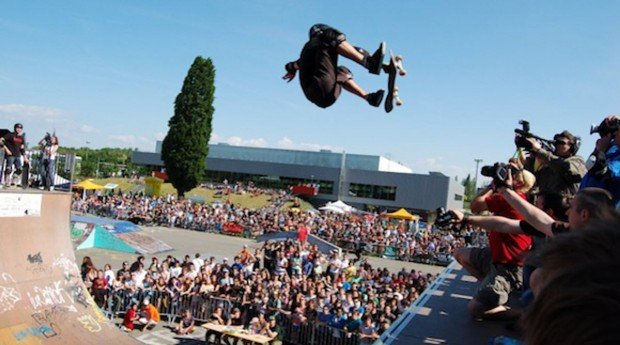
14	146
149	316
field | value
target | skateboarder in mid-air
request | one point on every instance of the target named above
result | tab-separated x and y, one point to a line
319	74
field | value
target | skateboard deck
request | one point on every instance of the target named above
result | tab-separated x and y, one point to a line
25	175
394	68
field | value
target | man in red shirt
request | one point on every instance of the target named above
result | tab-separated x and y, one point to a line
498	267
131	316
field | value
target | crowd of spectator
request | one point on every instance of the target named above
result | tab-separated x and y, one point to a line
288	279
371	232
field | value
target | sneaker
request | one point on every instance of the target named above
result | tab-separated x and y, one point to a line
375	98
374	63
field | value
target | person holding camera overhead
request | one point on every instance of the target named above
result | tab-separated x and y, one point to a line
559	171
604	172
49	147
499	266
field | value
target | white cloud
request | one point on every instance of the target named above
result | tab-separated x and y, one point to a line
287	143
238	141
29	113
284	143
87	129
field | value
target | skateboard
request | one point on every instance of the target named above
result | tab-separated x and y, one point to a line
394	68
25	175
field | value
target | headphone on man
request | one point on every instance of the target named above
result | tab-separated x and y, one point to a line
575	143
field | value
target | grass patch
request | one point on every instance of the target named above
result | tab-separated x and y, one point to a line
209	195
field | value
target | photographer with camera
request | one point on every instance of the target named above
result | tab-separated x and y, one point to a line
499	266
558	171
49	147
14	146
604	171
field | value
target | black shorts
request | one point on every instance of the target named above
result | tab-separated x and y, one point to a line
320	78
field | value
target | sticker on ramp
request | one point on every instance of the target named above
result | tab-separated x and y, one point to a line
20	205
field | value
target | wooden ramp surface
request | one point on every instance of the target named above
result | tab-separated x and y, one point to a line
440	315
42	297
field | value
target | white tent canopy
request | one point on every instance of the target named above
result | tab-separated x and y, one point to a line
332	209
338	207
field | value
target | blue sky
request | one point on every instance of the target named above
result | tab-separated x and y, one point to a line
107	73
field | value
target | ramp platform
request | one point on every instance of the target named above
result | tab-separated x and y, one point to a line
42	297
440	315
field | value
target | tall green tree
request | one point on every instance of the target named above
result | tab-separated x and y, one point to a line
470	188
186	146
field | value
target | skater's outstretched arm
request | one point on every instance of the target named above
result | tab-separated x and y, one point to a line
291	70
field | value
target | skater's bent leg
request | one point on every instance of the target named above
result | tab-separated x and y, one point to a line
347	50
351	86
344	77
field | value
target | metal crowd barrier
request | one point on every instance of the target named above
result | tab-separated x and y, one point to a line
313	333
170	307
202	306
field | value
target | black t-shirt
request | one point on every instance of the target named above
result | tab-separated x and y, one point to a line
236	321
556	228
14	143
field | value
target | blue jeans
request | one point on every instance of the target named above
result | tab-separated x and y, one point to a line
47	173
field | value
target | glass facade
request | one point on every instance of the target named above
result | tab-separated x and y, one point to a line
372	191
322	158
279	182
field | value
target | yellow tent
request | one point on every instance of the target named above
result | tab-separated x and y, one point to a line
87	185
402	214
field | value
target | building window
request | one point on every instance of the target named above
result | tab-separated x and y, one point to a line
278	182
372	192
458	197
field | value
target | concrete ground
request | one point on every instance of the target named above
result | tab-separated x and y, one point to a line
207	244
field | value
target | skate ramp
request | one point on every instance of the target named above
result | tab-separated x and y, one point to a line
42	298
440	315
112	234
324	246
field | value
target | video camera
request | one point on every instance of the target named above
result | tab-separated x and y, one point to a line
498	172
47	140
524	133
445	218
605	127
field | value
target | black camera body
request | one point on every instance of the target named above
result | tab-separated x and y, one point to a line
447	220
443	217
605	127
47	140
498	172
524	133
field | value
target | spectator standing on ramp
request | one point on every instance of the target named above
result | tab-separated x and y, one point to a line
49	147
320	76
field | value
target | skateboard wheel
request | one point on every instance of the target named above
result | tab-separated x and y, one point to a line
402	71
399	58
395	89
399	102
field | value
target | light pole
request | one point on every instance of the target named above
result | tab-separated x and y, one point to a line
477	160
